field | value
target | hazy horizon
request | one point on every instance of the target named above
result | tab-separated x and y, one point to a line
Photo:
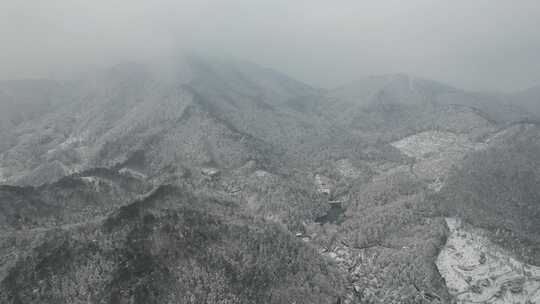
481	45
269	151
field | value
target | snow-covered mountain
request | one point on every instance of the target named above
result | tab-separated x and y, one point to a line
208	180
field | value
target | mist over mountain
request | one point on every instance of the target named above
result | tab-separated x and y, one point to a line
210	180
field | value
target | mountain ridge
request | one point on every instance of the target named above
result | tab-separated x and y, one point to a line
205	180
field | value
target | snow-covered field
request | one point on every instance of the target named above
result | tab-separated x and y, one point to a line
478	271
422	144
435	152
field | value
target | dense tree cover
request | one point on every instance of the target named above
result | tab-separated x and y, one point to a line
499	189
249	148
72	199
388	240
391	222
172	247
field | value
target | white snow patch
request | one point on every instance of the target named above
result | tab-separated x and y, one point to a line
347	169
478	271
92	181
435	152
323	184
423	144
132	173
261	173
265	177
74	139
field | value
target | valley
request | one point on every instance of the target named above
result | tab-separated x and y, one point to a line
227	182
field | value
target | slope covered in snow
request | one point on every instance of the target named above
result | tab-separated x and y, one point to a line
477	271
434	153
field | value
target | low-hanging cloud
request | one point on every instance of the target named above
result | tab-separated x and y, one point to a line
479	44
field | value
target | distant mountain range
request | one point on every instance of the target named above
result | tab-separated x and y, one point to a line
219	181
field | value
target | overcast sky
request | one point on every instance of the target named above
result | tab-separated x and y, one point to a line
473	44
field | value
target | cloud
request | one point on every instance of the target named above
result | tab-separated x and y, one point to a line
479	44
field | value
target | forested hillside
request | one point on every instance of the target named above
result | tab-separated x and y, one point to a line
220	181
